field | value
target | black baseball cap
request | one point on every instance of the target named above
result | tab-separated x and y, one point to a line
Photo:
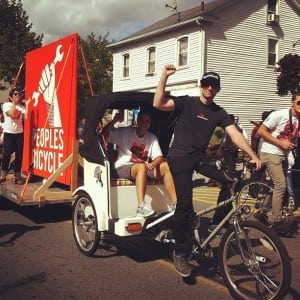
211	78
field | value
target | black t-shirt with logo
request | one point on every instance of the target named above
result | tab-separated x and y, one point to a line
195	125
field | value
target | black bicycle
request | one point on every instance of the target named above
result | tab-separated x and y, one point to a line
253	261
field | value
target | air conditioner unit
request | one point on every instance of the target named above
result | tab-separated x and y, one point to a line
272	18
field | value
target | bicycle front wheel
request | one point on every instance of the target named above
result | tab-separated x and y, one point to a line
254	262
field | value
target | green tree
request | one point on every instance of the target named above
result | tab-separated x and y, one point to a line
288	81
94	59
16	38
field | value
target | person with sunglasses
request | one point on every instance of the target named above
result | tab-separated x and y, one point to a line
197	118
279	134
14	114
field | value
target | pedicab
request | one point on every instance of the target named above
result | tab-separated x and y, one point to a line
104	203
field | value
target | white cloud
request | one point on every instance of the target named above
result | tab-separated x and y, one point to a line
57	19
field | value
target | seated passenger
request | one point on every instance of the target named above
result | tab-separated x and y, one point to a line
139	157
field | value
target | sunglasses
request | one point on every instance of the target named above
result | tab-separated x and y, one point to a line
298	103
214	86
16	94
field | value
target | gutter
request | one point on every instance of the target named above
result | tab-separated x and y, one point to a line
199	20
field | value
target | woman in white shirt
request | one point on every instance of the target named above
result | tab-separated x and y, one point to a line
14	114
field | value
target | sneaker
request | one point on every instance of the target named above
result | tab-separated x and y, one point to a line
182	266
144	211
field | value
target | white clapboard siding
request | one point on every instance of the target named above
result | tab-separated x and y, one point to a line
234	44
248	84
165	54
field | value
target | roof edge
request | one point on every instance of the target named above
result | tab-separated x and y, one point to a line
200	19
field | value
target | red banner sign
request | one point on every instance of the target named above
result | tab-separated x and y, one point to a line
51	82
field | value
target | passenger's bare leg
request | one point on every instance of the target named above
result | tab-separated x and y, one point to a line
166	174
139	173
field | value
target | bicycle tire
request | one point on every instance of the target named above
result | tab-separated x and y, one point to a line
257	195
85	224
266	271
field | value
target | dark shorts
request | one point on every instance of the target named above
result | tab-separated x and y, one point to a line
124	172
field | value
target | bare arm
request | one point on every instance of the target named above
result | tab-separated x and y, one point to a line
160	100
241	142
265	133
155	163
27	102
119	117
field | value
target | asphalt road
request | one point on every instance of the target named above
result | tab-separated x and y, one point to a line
39	260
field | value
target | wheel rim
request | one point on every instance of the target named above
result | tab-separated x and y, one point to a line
260	276
85	224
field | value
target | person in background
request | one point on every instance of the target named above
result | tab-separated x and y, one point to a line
279	136
14	115
80	131
291	156
240	126
1	128
1	133
255	137
135	114
197	119
254	142
228	149
139	157
213	149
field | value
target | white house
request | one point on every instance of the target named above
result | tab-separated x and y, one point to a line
240	39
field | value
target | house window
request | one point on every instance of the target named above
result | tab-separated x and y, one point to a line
150	60
272	7
182	47
272	51
126	65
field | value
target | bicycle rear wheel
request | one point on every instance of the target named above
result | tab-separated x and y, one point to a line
255	264
258	195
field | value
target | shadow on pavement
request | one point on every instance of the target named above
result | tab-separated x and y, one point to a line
40	277
9	233
51	213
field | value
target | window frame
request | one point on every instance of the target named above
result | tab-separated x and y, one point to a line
180	54
273	52
151	62
125	65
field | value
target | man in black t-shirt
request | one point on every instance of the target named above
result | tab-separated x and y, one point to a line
197	119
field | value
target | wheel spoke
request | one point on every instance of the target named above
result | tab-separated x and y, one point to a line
253	262
84	222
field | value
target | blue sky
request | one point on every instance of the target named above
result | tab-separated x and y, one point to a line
57	19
